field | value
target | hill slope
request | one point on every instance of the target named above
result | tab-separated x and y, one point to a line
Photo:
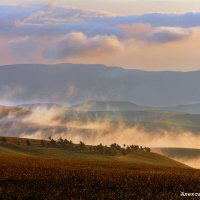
53	119
180	152
188	156
187	108
145	158
108	106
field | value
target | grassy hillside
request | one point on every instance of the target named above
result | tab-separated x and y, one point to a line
188	156
36	178
35	172
179	152
18	147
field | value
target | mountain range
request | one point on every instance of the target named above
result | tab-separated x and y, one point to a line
69	84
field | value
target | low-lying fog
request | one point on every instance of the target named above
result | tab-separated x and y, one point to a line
41	123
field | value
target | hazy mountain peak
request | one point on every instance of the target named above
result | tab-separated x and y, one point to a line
68	84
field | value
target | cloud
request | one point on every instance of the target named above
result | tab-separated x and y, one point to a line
137	31
164	35
53	4
150	34
10	94
184	20
64	20
103	131
38	20
43	121
71	91
193	162
77	43
23	47
58	34
161	1
48	115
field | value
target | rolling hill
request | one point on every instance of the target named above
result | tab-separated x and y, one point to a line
189	156
50	119
18	147
108	106
186	108
187	153
35	172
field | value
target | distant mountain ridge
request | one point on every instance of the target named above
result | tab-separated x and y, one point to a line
74	83
108	106
16	121
187	108
129	106
41	105
93	105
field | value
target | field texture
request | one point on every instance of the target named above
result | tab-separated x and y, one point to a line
35	178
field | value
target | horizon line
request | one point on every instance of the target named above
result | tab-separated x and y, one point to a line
102	65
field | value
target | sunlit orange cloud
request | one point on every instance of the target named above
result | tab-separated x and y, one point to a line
133	50
138	31
6	56
180	55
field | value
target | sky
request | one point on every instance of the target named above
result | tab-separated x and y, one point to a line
121	7
156	35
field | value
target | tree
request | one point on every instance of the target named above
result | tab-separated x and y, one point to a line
52	143
115	146
147	149
134	148
82	145
100	148
3	139
60	141
43	143
28	143
141	148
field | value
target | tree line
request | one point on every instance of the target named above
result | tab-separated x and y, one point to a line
113	149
